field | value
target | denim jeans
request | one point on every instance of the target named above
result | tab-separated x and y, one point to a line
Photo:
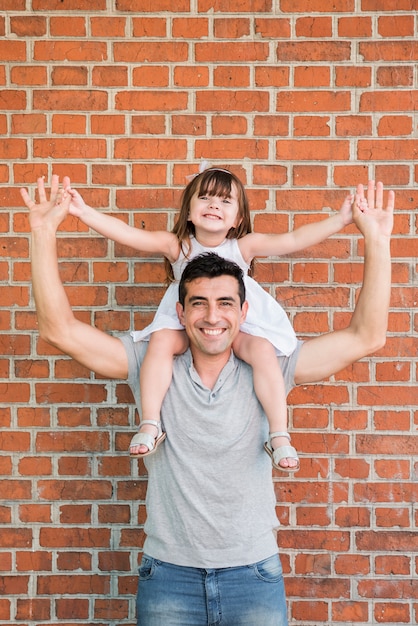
172	595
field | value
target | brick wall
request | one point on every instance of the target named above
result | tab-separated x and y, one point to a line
302	100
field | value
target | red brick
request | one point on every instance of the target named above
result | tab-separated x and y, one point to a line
395	125
243	6
33	609
231	52
308	51
352	516
163	100
226	76
311	150
395	75
197	76
74	584
275	28
155	6
57	50
69	100
151	76
34	561
351	612
309	610
314	26
352	565
235	28
108	27
346	76
59	5
70	561
391	612
182	27
389	50
393	564
60	27
231	149
69	76
66	609
396	26
12	50
311	76
28	26
271	125
392	517
150	52
313	563
34	513
267	76
28	75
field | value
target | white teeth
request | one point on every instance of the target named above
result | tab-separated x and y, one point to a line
212	331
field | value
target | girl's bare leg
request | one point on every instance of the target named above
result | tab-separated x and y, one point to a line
155	378
268	385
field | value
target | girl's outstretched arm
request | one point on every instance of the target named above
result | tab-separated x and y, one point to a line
260	244
158	242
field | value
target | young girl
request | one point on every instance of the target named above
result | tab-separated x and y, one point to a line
215	217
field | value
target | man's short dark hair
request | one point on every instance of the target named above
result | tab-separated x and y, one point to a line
210	265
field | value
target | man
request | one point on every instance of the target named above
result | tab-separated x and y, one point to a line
210	555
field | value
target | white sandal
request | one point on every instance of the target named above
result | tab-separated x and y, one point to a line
282	452
145	439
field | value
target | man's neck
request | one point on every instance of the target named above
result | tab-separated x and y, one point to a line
209	366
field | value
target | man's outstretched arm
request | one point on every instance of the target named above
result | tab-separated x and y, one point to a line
325	355
89	346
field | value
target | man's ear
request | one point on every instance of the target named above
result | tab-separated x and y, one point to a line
180	312
244	311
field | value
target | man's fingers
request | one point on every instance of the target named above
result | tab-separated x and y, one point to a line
54	187
26	198
370	194
379	195
391	200
41	189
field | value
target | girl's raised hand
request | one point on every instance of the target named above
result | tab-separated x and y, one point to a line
77	204
346	210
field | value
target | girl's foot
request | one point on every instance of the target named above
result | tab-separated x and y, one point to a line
284	457
147	440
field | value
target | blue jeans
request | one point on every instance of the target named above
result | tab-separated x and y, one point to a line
171	595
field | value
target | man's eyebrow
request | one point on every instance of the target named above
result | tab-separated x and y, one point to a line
220	299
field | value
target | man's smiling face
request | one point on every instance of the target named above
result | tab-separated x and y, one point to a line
212	314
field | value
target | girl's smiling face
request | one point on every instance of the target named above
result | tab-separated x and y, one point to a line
214	214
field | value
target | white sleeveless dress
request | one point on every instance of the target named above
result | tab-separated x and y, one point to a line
265	317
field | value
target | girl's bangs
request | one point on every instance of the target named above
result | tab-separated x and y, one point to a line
216	183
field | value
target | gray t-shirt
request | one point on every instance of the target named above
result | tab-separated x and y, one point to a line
210	496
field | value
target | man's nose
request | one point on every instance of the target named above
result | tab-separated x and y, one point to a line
212	313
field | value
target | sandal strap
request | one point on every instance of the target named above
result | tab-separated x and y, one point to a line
143	439
279	434
152	423
284	452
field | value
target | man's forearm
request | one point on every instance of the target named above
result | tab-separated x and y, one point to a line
370	317
52	306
